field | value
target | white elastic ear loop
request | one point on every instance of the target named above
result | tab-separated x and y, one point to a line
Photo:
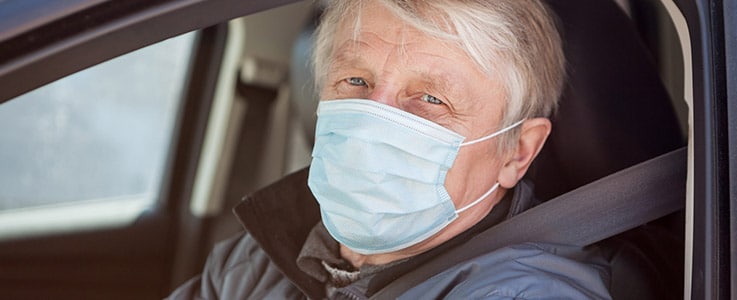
508	128
493	188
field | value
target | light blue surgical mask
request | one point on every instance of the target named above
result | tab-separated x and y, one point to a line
378	174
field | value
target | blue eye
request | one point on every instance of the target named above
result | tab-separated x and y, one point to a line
357	81
431	99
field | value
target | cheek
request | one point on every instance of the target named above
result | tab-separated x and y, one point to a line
326	93
472	174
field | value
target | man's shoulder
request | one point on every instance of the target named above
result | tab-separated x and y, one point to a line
238	268
524	271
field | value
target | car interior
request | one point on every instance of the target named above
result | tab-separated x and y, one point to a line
615	113
247	116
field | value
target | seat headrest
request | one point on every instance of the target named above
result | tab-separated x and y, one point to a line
614	112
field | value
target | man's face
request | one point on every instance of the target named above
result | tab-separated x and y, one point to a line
394	64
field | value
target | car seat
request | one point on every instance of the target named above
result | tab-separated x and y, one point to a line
614	113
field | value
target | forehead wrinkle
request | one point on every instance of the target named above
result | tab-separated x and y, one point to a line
346	55
403	41
355	50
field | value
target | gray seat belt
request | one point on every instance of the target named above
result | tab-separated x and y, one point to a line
591	213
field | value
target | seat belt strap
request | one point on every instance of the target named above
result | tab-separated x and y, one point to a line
591	213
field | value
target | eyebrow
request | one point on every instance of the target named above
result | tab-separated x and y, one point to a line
345	57
450	89
438	80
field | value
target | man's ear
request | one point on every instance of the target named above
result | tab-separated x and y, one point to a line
532	136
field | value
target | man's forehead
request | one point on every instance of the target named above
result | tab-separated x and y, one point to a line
436	67
371	21
443	62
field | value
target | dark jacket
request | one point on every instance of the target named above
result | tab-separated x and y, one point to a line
261	262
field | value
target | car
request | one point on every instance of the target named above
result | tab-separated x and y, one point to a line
130	128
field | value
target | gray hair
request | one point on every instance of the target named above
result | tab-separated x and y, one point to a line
514	40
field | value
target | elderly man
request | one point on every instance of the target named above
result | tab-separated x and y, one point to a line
431	113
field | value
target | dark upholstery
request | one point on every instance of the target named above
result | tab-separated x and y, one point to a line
614	112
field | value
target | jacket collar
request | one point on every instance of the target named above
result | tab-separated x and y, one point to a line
281	216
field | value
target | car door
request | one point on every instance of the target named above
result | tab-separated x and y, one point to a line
85	160
100	151
96	164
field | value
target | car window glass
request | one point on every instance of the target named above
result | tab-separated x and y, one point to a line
99	135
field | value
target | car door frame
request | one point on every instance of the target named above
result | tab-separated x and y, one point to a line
711	263
136	260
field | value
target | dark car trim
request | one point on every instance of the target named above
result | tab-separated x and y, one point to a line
18	17
101	32
711	217
730	53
